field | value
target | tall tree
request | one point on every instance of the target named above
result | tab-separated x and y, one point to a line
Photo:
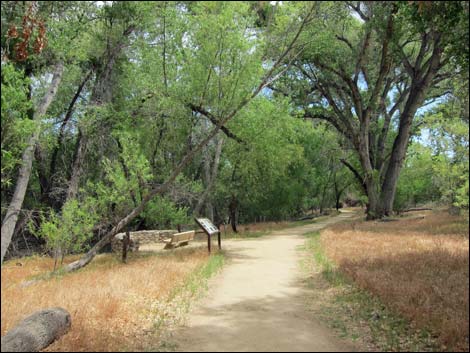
28	45
9	222
218	34
383	61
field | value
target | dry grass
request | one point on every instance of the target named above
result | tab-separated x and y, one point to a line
253	229
417	266
110	302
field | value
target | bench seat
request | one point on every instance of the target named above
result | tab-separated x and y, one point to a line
179	239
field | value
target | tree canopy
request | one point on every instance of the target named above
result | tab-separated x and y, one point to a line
145	114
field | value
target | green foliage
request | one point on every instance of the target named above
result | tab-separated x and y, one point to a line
452	180
162	213
258	172
449	135
16	126
77	221
438	172
417	183
441	16
69	231
285	167
161	59
124	179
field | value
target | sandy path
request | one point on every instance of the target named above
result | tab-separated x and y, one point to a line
257	303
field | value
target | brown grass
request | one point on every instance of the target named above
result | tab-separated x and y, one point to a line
109	301
246	228
417	266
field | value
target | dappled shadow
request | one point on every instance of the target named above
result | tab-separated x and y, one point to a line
270	323
259	302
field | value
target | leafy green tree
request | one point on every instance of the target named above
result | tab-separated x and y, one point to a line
368	74
161	111
70	231
449	135
417	183
23	44
205	86
16	127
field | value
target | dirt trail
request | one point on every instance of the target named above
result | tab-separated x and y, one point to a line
257	303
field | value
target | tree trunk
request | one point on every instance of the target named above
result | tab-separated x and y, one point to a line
338	197
77	167
233	213
125	245
397	157
374	206
374	209
60	138
37	331
267	79
44	181
419	88
210	177
102	94
11	217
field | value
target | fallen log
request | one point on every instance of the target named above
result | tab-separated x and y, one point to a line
305	218
37	331
417	209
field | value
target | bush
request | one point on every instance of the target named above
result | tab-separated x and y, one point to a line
69	231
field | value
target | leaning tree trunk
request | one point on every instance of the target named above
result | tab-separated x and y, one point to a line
11	217
267	79
86	259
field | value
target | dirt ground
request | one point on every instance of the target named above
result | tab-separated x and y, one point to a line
257	303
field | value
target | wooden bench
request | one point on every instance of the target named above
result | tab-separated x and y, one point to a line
179	239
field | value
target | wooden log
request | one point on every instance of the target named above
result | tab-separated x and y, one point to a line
37	331
305	218
417	209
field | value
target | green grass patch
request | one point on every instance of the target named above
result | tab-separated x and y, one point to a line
196	283
172	311
329	271
357	314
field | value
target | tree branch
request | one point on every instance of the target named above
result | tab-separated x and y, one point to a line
361	59
359	178
213	120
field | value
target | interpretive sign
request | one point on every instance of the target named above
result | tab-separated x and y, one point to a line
207	225
209	228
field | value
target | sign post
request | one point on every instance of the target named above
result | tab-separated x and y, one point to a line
209	228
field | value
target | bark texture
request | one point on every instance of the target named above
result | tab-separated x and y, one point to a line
11	216
210	178
37	331
367	120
